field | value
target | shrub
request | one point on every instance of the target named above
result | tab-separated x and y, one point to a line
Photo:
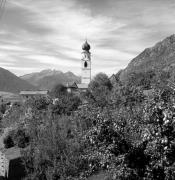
58	91
17	138
8	142
3	108
66	105
21	138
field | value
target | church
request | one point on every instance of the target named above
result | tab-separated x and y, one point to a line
71	87
85	70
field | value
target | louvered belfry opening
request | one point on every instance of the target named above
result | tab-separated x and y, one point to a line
85	64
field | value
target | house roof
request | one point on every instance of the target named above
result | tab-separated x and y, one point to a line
72	85
34	92
82	86
113	76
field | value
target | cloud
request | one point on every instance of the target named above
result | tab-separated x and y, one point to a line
39	34
45	59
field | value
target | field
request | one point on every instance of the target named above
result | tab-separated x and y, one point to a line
9	97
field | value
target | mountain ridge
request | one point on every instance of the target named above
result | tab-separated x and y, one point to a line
160	56
9	82
47	79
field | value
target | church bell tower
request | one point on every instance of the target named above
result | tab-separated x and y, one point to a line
86	64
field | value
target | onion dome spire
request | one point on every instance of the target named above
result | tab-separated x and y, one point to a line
86	46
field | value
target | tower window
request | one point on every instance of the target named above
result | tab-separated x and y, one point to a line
85	64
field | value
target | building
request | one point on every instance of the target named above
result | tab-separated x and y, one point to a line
86	64
85	72
11	165
72	87
85	67
33	94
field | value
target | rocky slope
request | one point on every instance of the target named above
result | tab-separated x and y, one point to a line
161	56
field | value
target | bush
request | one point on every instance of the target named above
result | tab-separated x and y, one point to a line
16	138
3	108
99	90
66	105
21	138
58	91
8	142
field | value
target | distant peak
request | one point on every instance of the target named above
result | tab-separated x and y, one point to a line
69	72
47	70
50	71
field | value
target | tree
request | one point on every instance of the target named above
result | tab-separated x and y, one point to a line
100	80
39	103
58	90
126	95
8	142
99	89
3	108
66	104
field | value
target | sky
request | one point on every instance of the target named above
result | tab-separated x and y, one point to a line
48	34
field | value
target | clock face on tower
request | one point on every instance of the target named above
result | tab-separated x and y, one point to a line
85	56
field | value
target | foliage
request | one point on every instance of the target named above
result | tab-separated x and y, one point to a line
13	116
99	89
160	136
148	79
99	80
58	91
120	132
16	137
127	96
65	105
142	79
21	138
39	103
3	108
8	142
53	152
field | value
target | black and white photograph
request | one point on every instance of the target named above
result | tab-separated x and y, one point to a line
87	89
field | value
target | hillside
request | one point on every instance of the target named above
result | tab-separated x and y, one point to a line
48	78
161	56
11	83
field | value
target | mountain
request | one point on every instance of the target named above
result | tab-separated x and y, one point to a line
159	57
48	78
11	83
